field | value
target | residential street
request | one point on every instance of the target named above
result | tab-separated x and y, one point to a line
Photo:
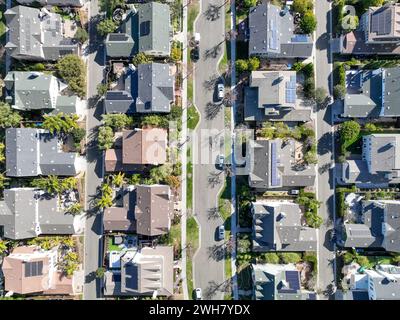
94	172
209	259
325	183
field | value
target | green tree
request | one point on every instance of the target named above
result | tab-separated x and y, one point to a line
105	138
339	91
362	261
289	257
8	117
267	130
176	52
134	179
110	5
81	35
309	88
349	131
282	130
249	3
78	134
242	65
75	208
302	6
308	23
70	183
106	26
102	89
141	58
72	69
3	247
371	127
160	173
117	121
50	184
60	123
253	63
320	95
100	272
154	120
269	257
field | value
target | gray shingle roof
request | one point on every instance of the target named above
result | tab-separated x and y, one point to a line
75	3
147	31
277	227
148	89
272	34
36	34
378	215
278	282
372	93
273	166
33	152
27	212
38	91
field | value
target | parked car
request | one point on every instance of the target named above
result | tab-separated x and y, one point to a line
221	91
221	232
294	192
195	54
197	294
221	160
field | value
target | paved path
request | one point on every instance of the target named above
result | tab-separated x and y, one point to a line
208	267
325	183
94	171
184	151
233	182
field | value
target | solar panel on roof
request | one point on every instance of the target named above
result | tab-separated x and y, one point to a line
275	181
290	90
300	38
293	278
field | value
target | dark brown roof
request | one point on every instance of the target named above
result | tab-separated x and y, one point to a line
153	210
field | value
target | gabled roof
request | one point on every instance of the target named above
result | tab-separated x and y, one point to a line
278	282
380	227
36	34
38	91
272	34
142	272
277	227
274	166
32	152
147	89
28	212
147	31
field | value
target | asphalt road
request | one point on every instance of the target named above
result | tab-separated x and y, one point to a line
325	187
94	171
209	258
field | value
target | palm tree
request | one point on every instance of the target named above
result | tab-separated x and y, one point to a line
104	202
70	183
3	247
74	209
106	189
119	179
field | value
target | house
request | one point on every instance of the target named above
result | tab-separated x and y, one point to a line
271	34
277	226
147	89
379	165
278	282
145	30
29	91
271	95
27	212
377	33
145	209
139	147
380	283
372	93
278	164
377	227
37	34
68	3
32	270
32	152
141	272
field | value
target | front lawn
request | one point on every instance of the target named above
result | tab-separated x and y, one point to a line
192	238
193	117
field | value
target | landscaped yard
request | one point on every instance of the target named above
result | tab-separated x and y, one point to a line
193	117
192	238
111	246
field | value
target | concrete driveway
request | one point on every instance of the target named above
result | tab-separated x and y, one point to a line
209	259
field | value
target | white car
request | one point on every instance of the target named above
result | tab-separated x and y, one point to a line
221	232
197	294
220	89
